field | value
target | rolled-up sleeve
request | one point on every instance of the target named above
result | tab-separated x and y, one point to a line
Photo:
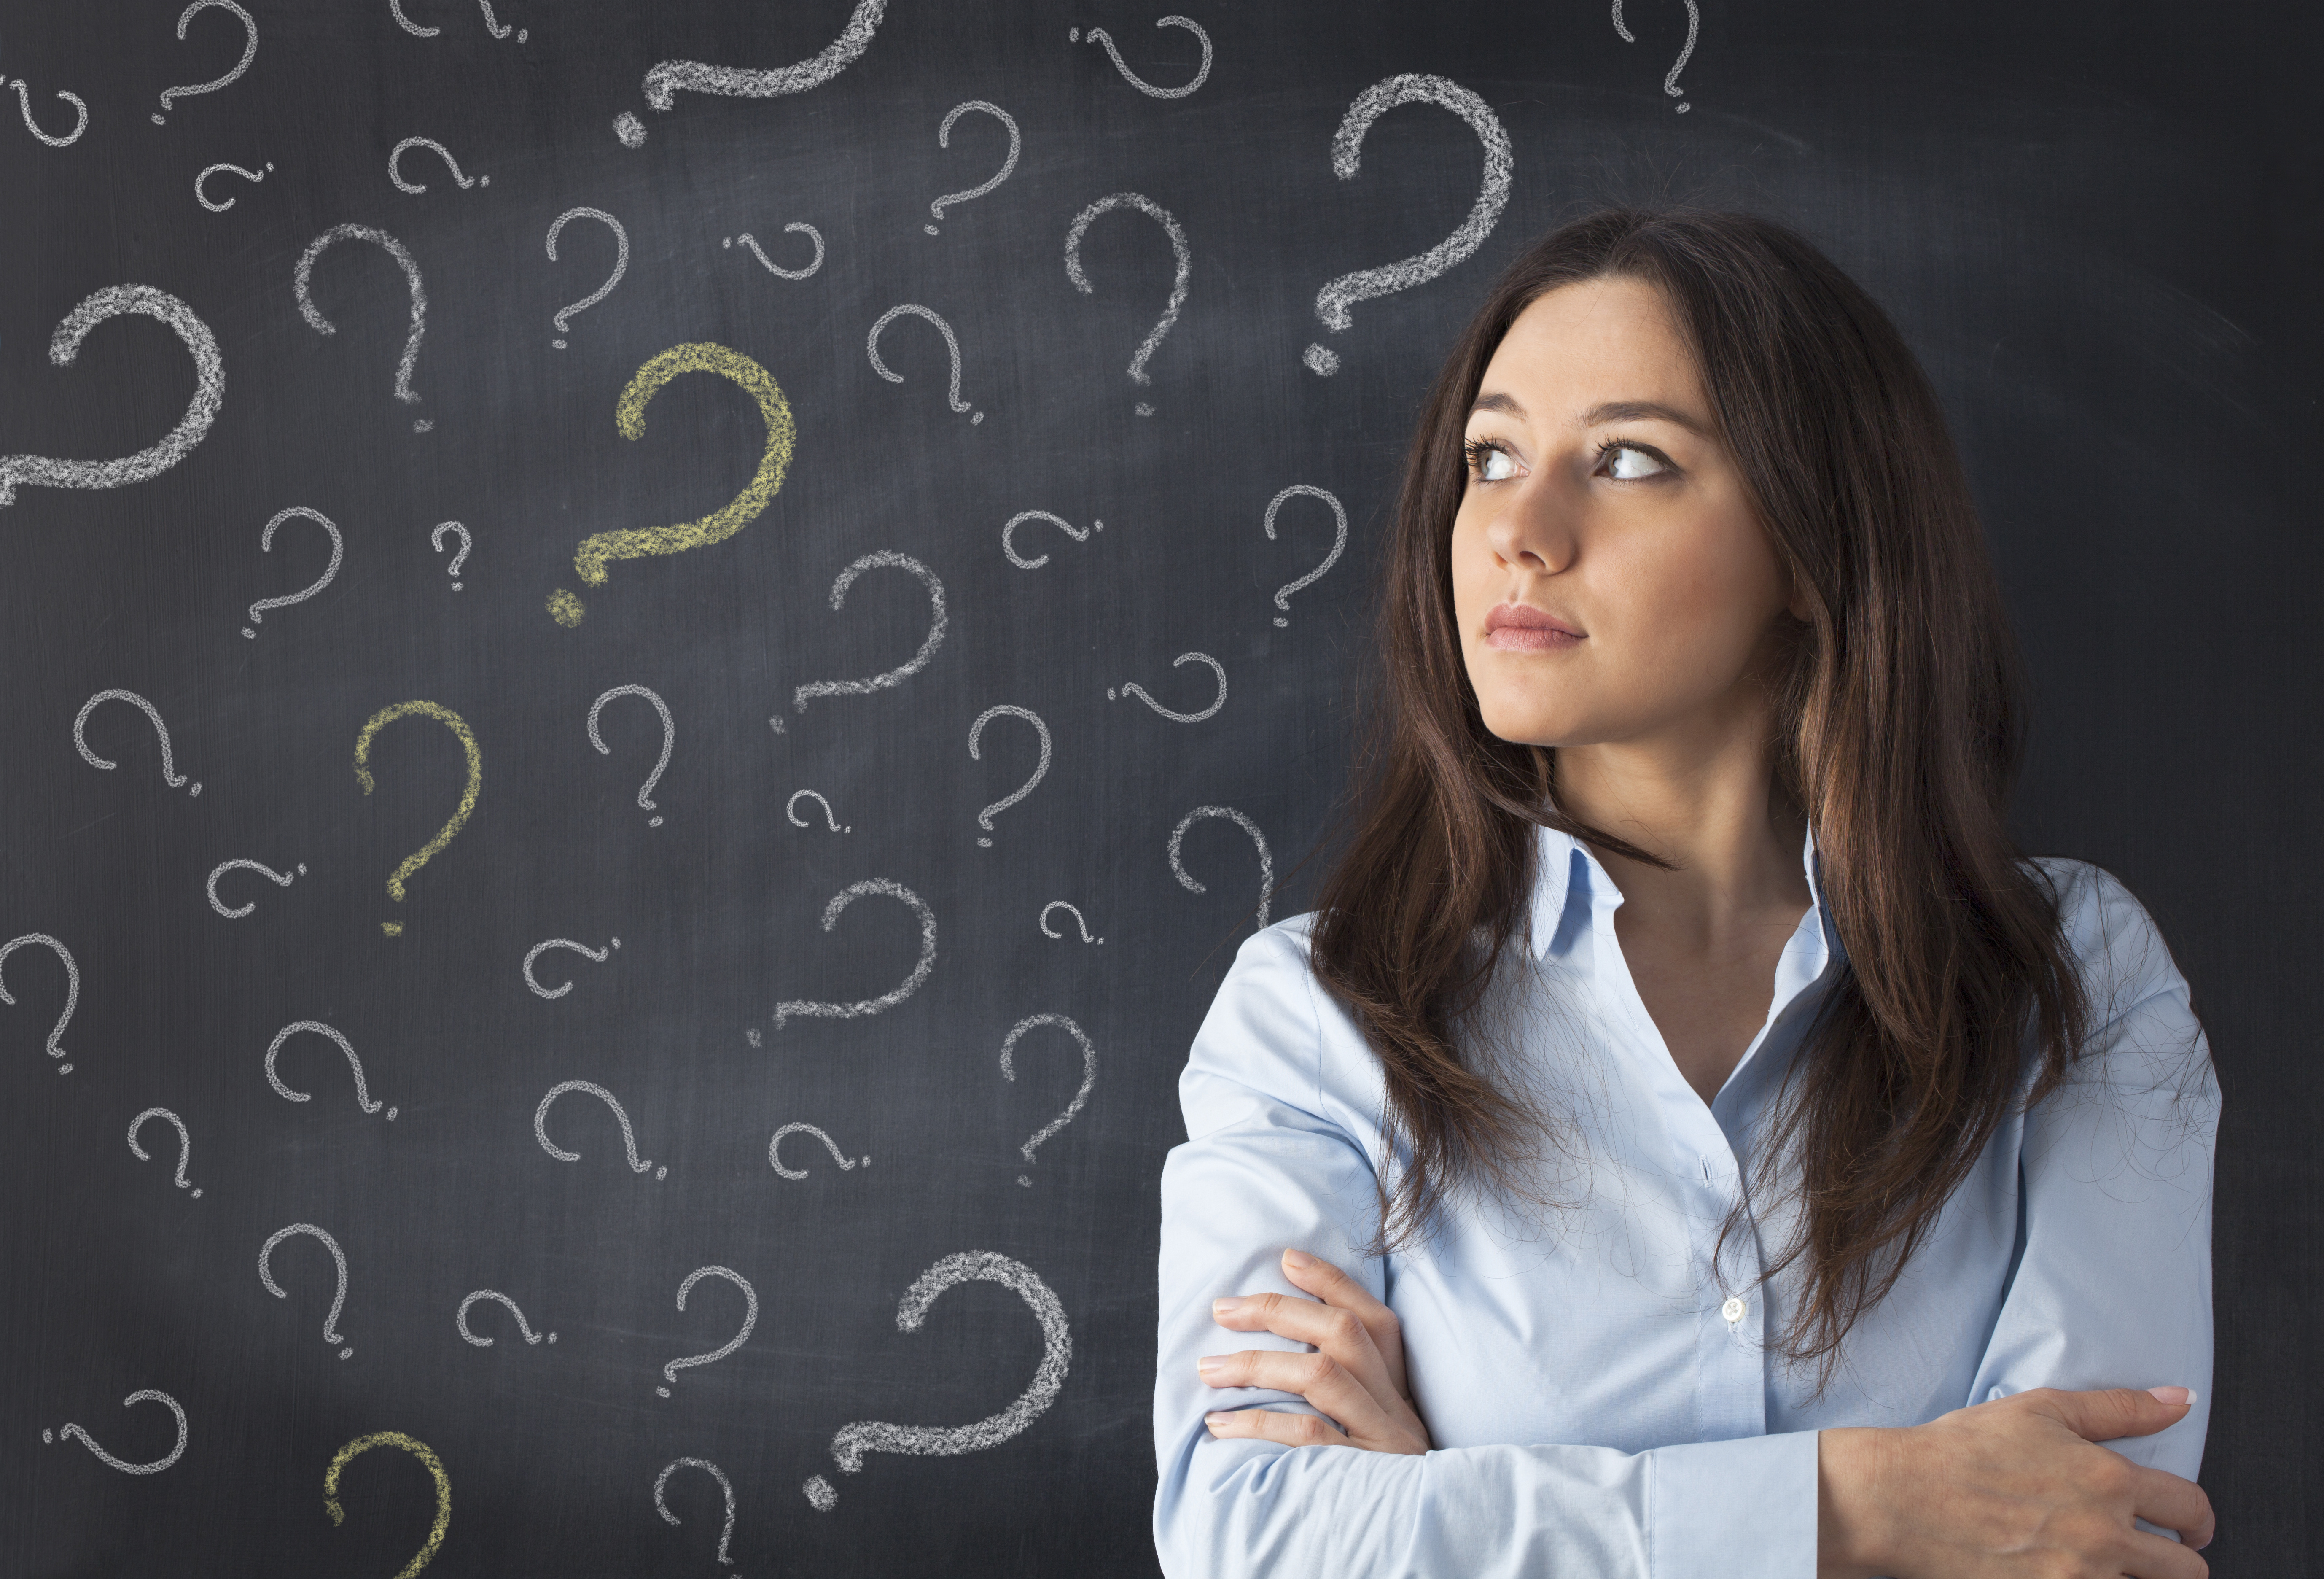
1277	1156
2113	1285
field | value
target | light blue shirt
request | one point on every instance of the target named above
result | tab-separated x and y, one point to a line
1601	1404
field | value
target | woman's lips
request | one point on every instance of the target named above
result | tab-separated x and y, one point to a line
1515	628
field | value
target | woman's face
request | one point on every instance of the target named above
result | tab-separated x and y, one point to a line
1609	576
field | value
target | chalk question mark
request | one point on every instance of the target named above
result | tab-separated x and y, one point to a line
1339	542
1331	302
629	1136
1178	248
589	561
169	774
621	264
768	264
460	1318
1098	35
537	949
1081	1097
145	1395
492	24
436	542
791	810
1134	689
749	1319
24	103
249	50
201	411
984	817
881	558
185	1141
1071	910
203	197
1694	23
785	1011
943	140
715	1474
664	81
280	879
775	1151
854	1441
72	987
395	173
302	284
1228	813
459	727
338	1258
669	738
1079	534
363	1098
951	345
426	1455
266	546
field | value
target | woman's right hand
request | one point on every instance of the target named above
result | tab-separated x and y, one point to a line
2014	1488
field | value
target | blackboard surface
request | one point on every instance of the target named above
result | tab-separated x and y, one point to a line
2097	225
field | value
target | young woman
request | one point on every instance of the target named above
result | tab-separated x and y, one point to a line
1688	1140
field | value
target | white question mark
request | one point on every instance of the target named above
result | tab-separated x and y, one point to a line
145	1395
1331	302
912	308
1340	541
301	282
791	810
460	1318
492	24
749	1319
1079	535
1134	689
203	197
1266	859
943	140
169	775
338	1256
415	187
669	738
1693	24
1089	1076
775	1151
249	50
537	949
984	817
363	1098
280	880
800	226
185	1141
266	546
715	1474
787	1009
852	1441
1186	260
629	1136
72	986
24	103
436	542
1072	910
1098	35
201	411
884	559
664	80
620	265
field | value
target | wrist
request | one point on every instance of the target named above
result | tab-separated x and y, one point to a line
1856	1468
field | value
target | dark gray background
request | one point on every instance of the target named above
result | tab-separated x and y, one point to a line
2097	225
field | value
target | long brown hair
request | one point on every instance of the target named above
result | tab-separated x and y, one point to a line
1898	728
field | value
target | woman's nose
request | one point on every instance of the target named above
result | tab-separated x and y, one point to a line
1534	531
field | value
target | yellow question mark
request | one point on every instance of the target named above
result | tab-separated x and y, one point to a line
435	1467
630	417
457	726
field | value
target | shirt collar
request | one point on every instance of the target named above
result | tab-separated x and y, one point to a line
1570	882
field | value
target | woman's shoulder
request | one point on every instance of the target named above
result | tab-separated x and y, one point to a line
2140	1008
1274	1035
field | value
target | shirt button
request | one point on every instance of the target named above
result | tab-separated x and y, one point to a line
1732	1310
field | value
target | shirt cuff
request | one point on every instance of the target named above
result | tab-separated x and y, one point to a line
1743	1508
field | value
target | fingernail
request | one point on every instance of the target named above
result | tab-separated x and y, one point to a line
2173	1395
1215	1419
1209	1364
1297	1258
1226	1306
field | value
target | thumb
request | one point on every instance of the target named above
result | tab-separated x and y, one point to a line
2106	1414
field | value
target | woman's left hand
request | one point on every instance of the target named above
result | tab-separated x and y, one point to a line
1356	1375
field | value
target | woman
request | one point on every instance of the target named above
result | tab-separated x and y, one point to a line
1520	1229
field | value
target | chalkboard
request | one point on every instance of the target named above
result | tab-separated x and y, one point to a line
843	535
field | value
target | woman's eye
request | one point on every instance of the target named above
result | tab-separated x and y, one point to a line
1625	463
1494	463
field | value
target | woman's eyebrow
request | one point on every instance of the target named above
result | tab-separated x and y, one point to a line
1641	412
1497	401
